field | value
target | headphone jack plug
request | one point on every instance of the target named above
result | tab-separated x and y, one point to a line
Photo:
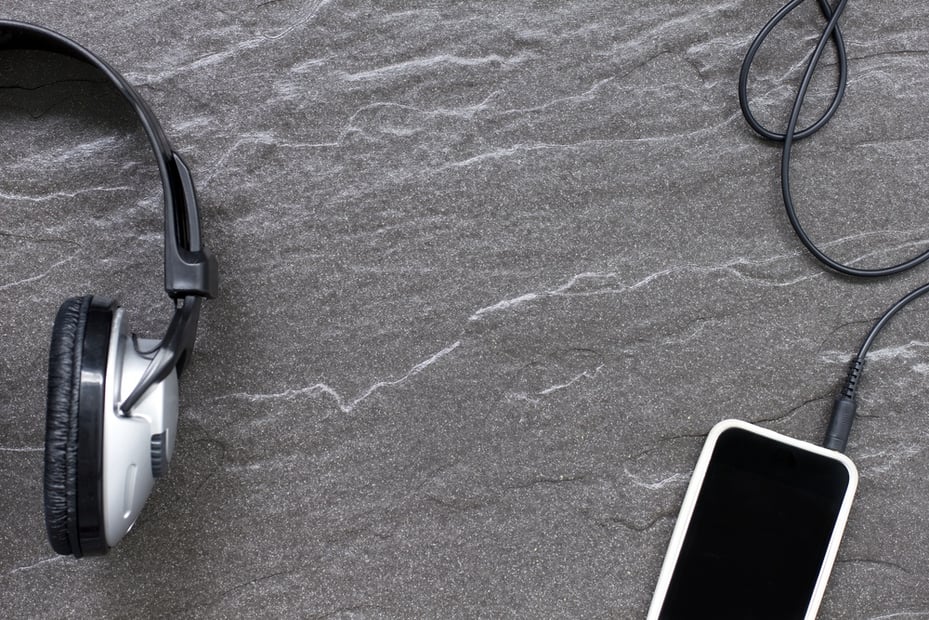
843	410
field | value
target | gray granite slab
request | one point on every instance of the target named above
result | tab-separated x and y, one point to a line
490	272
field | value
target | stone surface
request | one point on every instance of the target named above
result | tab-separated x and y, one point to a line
490	272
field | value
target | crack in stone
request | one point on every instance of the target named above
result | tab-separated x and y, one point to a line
545	480
875	562
18	87
792	410
32	239
631	525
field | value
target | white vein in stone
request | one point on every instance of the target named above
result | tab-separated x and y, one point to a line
80	151
587	95
467	111
886	460
57	195
584	375
202	62
508	151
309	12
322	388
731	267
532	398
9	285
233	51
660	484
904	352
263	138
427	63
603	279
505	304
39	563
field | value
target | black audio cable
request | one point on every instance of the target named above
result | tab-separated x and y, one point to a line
831	33
845	404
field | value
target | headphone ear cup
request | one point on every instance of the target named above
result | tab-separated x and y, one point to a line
61	425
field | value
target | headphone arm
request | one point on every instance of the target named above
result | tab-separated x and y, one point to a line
172	353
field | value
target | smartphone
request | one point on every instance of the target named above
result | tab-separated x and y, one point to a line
758	531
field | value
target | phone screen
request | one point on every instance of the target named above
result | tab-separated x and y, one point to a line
759	531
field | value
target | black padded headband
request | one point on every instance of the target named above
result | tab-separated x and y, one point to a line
190	270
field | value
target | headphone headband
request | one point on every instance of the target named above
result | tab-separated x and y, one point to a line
190	269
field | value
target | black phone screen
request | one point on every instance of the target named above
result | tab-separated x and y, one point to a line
759	531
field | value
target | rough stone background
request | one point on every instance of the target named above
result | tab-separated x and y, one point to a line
490	272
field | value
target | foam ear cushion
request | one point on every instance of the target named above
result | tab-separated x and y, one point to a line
61	425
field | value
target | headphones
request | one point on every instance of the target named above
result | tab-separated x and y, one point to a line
111	419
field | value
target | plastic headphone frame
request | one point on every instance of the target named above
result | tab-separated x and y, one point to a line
190	270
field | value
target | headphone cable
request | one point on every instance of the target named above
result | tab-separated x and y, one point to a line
845	404
831	33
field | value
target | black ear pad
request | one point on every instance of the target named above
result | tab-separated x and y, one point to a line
61	425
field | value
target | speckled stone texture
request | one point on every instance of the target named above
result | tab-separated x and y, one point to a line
490	272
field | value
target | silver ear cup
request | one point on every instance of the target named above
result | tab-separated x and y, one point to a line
137	447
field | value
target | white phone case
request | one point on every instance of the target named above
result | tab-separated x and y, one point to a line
693	490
